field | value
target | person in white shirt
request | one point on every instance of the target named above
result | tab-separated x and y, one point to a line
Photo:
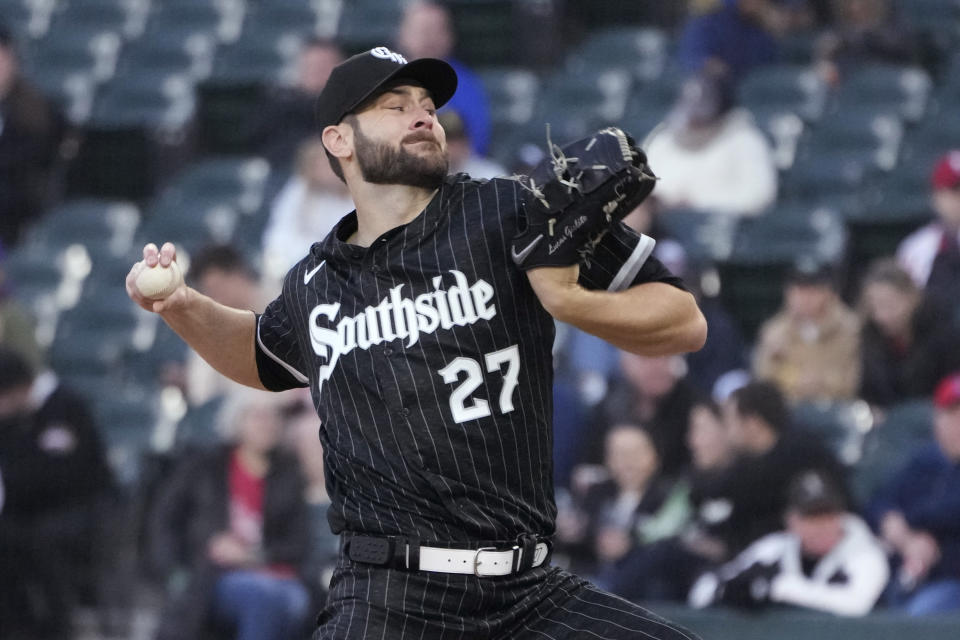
827	559
931	254
308	206
710	155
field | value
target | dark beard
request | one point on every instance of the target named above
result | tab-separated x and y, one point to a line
382	164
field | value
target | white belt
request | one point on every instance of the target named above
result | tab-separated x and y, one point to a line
483	562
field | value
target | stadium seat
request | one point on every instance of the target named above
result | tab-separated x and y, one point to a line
101	225
872	134
706	236
487	31
890	444
267	59
365	24
277	18
842	426
123	17
903	90
511	94
198	428
642	51
24	19
764	250
238	180
575	106
789	231
156	102
785	88
222	19
126	419
162	55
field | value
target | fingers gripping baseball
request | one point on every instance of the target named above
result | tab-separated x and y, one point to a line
156	282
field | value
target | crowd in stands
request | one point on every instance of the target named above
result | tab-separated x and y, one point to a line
809	460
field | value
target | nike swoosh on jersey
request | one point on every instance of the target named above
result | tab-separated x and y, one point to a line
520	256
307	278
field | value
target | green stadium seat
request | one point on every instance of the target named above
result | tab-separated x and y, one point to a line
790	231
842	426
125	18
487	31
365	24
511	94
198	428
890	444
575	106
642	51
765	249
901	89
180	18
787	88
705	236
162	102
285	17
162	55
100	225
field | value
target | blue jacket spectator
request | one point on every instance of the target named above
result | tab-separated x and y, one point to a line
918	515
427	32
732	37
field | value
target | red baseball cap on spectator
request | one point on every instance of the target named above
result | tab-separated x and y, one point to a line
946	175
948	392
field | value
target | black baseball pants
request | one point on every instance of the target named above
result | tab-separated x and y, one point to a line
370	602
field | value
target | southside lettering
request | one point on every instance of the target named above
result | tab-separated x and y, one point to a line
398	318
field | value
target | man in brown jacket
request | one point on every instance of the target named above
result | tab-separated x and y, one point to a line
811	348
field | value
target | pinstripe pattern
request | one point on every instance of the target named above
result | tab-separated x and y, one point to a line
546	603
429	359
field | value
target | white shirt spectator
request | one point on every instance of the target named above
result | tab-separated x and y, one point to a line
918	250
309	205
731	173
847	581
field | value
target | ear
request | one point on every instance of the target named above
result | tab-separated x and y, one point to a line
338	140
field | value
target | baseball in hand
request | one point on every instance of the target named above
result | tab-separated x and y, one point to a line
156	283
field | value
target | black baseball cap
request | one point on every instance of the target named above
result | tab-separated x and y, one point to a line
362	76
815	492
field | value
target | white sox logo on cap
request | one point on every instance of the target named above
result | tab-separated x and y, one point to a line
385	54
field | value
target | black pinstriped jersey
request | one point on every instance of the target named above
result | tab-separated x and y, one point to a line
429	360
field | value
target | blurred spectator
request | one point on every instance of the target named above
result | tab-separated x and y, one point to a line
918	515
908	342
312	201
932	254
730	36
221	272
709	155
57	487
17	328
670	566
30	132
426	31
650	391
827	559
463	158
864	31
633	507
811	348
304	442
287	118
231	532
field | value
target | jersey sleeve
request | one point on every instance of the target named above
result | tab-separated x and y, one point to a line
279	358
624	258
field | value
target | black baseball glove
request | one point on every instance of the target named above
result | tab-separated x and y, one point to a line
571	198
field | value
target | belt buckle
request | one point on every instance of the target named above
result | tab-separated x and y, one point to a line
476	559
